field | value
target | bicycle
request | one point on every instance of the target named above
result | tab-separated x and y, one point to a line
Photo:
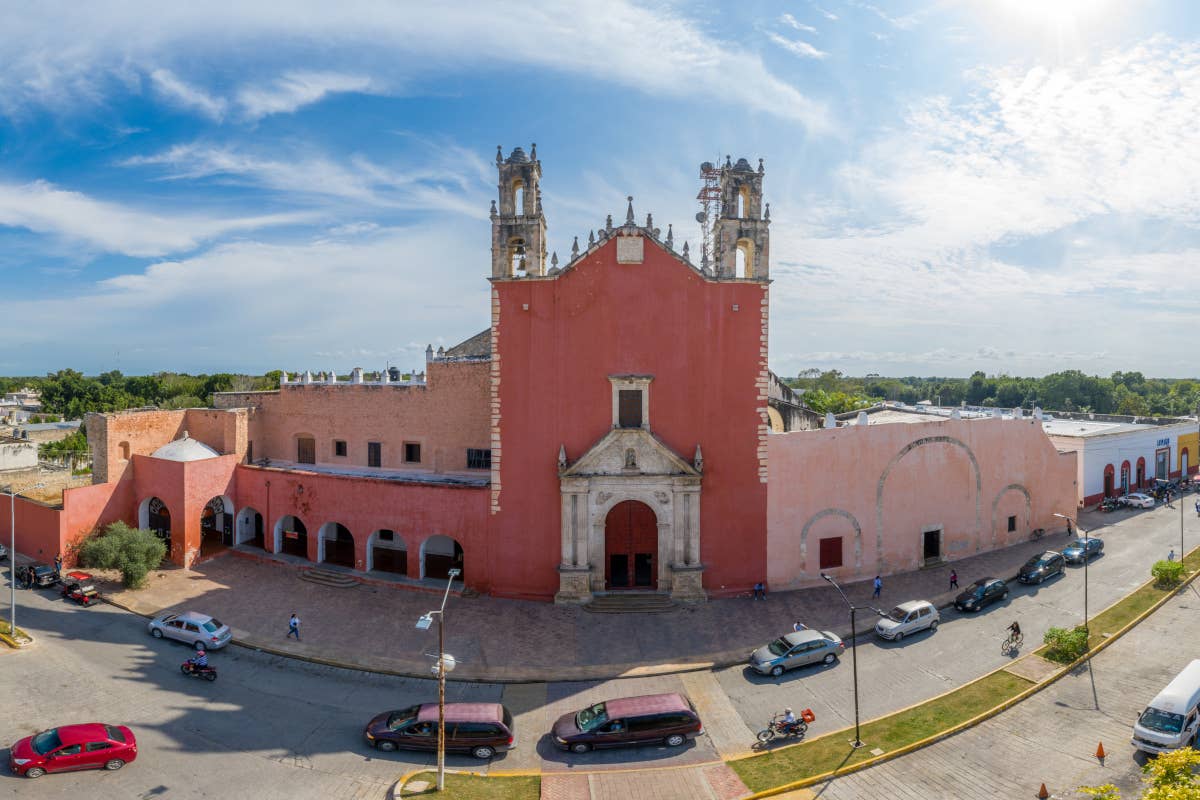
1011	644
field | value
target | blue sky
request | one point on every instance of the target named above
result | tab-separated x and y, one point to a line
1005	185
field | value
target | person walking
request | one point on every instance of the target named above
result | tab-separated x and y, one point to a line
878	586
760	591
953	579
1198	508
294	626
58	563
1171	555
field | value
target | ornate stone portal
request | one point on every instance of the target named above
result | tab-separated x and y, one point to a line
629	464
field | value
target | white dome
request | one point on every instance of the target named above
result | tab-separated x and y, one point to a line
185	449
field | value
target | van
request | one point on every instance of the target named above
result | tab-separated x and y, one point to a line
668	719
1170	721
481	729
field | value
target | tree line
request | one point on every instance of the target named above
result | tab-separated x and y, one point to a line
1070	390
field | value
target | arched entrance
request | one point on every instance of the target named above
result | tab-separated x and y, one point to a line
1125	477
216	525
1141	471
386	552
440	554
291	537
336	545
630	546
153	515
1108	480
250	528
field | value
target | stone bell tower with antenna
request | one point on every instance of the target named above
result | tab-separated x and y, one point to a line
518	226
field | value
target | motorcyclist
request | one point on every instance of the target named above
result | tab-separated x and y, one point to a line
789	720
200	660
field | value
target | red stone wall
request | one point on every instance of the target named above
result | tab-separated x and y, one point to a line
559	339
39	528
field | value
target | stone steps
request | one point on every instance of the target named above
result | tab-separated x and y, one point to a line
324	577
630	603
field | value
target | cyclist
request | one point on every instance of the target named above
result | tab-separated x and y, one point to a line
1014	631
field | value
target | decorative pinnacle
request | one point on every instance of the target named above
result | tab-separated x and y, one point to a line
499	154
493	208
767	213
629	211
554	259
685	250
591	239
575	249
728	161
670	237
760	167
533	153
608	223
649	222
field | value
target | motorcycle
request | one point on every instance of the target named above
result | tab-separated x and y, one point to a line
1110	504
777	727
209	673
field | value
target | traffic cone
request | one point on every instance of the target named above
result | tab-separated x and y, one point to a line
1100	751
1042	793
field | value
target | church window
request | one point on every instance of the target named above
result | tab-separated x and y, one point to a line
630	412
630	401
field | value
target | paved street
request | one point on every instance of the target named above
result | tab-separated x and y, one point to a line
295	727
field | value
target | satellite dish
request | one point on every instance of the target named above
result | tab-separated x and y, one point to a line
701	217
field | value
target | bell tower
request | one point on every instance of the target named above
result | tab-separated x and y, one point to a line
742	244
518	227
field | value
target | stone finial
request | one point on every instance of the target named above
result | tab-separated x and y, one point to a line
283	378
333	376
306	377
704	260
608	223
1037	413
767	213
649	222
760	167
728	162
955	414
429	352
685	250
385	376
499	154
1017	413
862	418
356	375
562	457
575	249
830	419
185	435
698	459
493	211
591	239
629	211
533	153
670	237
554	259
441	352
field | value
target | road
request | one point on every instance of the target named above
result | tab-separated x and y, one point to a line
293	729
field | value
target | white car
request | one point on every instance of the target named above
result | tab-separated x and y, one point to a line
906	619
1138	500
191	627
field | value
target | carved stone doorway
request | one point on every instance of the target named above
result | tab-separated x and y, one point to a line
631	546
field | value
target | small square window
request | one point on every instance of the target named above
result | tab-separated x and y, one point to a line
479	459
1012	523
412	453
831	552
374	454
339	448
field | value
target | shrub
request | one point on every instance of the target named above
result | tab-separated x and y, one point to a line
1167	573
133	551
1066	645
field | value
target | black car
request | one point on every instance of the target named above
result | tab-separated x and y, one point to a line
41	575
981	593
1042	566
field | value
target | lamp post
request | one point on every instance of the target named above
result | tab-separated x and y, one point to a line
1181	551
1086	559
853	651
444	665
12	554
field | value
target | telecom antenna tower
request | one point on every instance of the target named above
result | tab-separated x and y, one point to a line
710	210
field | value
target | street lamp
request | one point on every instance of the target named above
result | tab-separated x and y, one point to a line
1181	551
445	663
12	554
853	651
1086	559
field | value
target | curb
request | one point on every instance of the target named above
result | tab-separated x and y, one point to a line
984	716
14	644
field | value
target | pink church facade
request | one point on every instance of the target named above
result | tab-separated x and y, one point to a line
610	430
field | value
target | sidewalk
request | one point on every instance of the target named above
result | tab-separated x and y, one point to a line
373	627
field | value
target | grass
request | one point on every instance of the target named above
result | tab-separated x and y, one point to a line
6	630
888	733
477	787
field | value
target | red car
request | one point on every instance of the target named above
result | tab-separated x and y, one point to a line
73	747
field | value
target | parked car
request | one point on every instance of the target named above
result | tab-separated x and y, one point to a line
1081	548
481	729
69	748
41	575
906	619
191	627
796	650
1138	500
78	587
668	719
1042	566
981	593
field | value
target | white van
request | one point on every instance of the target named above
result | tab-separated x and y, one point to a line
1170	721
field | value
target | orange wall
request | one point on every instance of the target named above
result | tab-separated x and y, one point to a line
601	318
39	528
822	482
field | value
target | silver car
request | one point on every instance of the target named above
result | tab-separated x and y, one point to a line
796	650
906	619
191	627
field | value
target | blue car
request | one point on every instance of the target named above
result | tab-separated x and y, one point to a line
1082	548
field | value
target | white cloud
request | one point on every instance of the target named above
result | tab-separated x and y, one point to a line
43	208
295	90
62	54
797	47
187	96
829	15
789	20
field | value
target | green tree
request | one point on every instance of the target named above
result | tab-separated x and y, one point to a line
133	551
1170	776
